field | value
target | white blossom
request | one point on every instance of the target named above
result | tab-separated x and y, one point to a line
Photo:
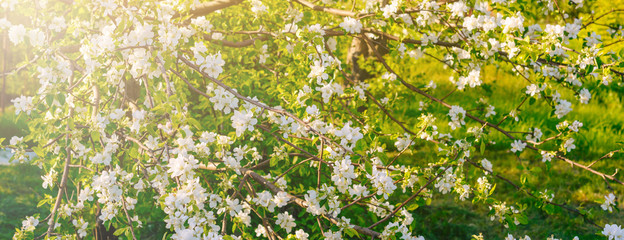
351	25
457	115
301	235
563	108
23	104
257	7
568	145
487	165
403	142
30	223
609	202
584	96
286	221
243	121
281	199
518	146
473	79
613	232
547	156
458	8
17	33
575	126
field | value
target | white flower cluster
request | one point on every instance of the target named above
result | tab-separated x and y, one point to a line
382	182
473	79
562	108
613	232
23	104
30	223
48	179
403	142
109	193
584	96
257	7
351	25
312	201
457	115
243	121
17	33
222	99
609	202
182	166
211	64
518	146
348	135
487	165
535	135
512	24
317	71
534	90
329	89
547	156
81	227
568	145
446	183
178	206
487	22
430	131
458	8
106	156
202	23
343	174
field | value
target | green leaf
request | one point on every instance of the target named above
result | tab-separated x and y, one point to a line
95	136
49	99
351	232
273	162
482	148
548	208
492	190
128	234
37	150
598	62
523	219
523	179
194	123
120	231
42	202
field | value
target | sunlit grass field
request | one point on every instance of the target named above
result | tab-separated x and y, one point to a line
603	131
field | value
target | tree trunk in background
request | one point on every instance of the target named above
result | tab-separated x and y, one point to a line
132	92
359	49
4	68
100	232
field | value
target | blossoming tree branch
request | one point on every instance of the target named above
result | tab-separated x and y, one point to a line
242	119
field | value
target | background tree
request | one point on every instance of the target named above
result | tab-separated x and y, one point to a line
305	120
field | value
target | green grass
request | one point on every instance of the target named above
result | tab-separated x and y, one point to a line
20	191
11	126
446	218
603	120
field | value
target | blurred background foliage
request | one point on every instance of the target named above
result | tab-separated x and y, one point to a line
603	119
